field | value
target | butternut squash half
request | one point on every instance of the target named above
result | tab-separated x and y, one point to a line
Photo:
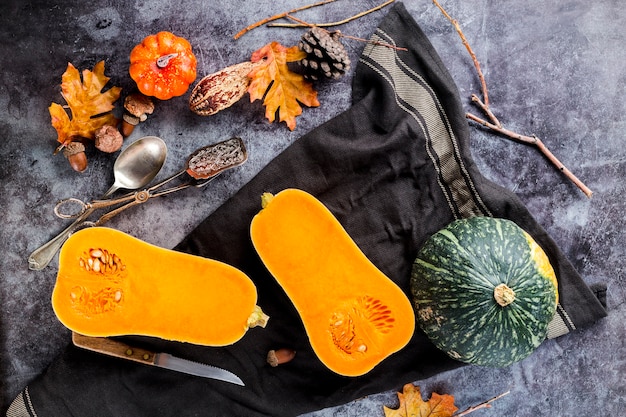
111	284
353	314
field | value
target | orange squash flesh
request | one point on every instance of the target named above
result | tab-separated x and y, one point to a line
354	315
111	284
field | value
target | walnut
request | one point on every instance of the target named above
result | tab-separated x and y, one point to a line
108	139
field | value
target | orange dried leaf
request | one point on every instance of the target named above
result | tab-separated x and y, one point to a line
281	89
412	405
90	108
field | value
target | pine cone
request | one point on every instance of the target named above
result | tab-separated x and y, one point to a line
326	55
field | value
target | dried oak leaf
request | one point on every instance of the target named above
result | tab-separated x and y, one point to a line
281	89
90	108
412	405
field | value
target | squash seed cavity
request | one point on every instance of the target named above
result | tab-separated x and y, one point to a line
351	325
101	261
104	264
91	303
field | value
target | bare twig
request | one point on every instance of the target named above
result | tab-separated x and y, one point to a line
486	404
301	23
343	35
534	140
485	108
456	25
385	44
338	23
278	16
495	125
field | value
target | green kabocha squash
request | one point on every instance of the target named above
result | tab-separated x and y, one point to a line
484	291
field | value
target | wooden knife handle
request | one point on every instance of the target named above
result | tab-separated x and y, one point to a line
113	348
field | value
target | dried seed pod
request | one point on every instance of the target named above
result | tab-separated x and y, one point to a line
211	160
221	89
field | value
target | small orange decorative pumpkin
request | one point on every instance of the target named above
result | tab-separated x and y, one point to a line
163	65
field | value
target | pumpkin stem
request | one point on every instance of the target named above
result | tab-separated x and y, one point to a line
503	295
257	318
265	199
165	59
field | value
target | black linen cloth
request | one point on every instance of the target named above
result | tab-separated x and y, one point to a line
394	168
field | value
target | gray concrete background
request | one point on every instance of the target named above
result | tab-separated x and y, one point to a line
555	69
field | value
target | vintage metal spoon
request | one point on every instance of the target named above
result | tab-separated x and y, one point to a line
202	166
135	167
138	164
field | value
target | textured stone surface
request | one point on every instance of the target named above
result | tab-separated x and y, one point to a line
555	69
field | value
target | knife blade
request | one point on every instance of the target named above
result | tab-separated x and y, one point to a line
163	360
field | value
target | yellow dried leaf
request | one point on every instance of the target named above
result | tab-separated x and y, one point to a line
281	89
90	108
412	404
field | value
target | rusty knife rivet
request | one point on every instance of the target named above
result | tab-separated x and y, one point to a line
146	356
129	352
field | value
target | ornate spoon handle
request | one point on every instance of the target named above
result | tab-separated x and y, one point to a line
41	257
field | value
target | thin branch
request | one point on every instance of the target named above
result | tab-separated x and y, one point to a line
495	125
278	16
534	140
385	44
338	23
486	404
302	23
456	25
485	108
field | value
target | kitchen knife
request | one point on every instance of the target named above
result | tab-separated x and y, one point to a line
164	360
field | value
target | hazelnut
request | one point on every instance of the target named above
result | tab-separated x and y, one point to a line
75	154
108	139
